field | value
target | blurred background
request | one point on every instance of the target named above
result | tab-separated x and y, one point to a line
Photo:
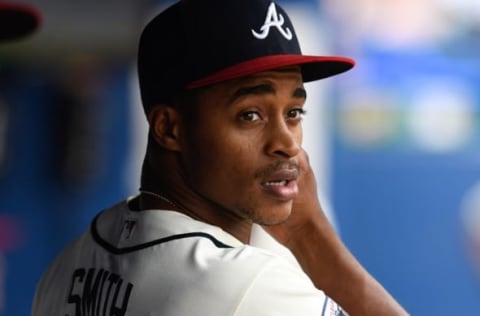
395	142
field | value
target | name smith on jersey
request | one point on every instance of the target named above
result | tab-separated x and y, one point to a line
95	292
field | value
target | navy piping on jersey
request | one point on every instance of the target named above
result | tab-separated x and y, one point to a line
119	251
325	303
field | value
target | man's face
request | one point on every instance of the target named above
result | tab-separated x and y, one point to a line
240	151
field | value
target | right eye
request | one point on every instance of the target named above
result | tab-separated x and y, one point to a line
250	116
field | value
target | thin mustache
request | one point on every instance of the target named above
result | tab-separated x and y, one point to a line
277	165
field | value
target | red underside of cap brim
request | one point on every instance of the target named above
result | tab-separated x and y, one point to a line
313	68
17	20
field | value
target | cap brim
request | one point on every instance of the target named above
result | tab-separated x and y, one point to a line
17	20
313	68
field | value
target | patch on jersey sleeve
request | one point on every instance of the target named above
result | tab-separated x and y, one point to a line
128	228
331	308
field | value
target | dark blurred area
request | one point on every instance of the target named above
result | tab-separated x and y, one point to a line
403	131
65	132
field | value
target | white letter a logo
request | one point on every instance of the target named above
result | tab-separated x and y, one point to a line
273	19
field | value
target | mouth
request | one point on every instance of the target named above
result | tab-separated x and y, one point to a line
276	183
282	184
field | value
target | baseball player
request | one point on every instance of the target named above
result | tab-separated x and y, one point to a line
222	88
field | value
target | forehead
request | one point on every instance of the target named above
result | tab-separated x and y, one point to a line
288	78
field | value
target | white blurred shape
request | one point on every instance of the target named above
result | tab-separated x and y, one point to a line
442	117
393	23
369	118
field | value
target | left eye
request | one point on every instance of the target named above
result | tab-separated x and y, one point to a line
296	113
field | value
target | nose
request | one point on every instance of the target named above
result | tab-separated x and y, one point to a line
283	140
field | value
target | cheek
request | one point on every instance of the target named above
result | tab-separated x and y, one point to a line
218	166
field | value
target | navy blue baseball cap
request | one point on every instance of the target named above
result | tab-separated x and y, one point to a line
17	20
196	43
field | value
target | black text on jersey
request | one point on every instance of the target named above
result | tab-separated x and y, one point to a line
97	292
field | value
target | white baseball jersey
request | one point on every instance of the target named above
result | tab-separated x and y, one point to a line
157	262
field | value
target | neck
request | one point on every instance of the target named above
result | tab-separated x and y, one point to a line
178	196
203	212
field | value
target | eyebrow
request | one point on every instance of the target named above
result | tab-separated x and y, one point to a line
262	89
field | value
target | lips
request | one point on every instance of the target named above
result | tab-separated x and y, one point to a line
281	184
276	183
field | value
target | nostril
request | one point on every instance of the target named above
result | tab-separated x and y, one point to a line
282	154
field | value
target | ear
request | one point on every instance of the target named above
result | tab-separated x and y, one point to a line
164	125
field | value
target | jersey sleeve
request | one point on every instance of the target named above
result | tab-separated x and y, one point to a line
282	289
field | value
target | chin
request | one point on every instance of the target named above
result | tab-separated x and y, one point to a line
272	217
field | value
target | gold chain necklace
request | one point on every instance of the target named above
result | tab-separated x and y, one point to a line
161	197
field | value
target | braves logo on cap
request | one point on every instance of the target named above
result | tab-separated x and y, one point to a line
273	19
